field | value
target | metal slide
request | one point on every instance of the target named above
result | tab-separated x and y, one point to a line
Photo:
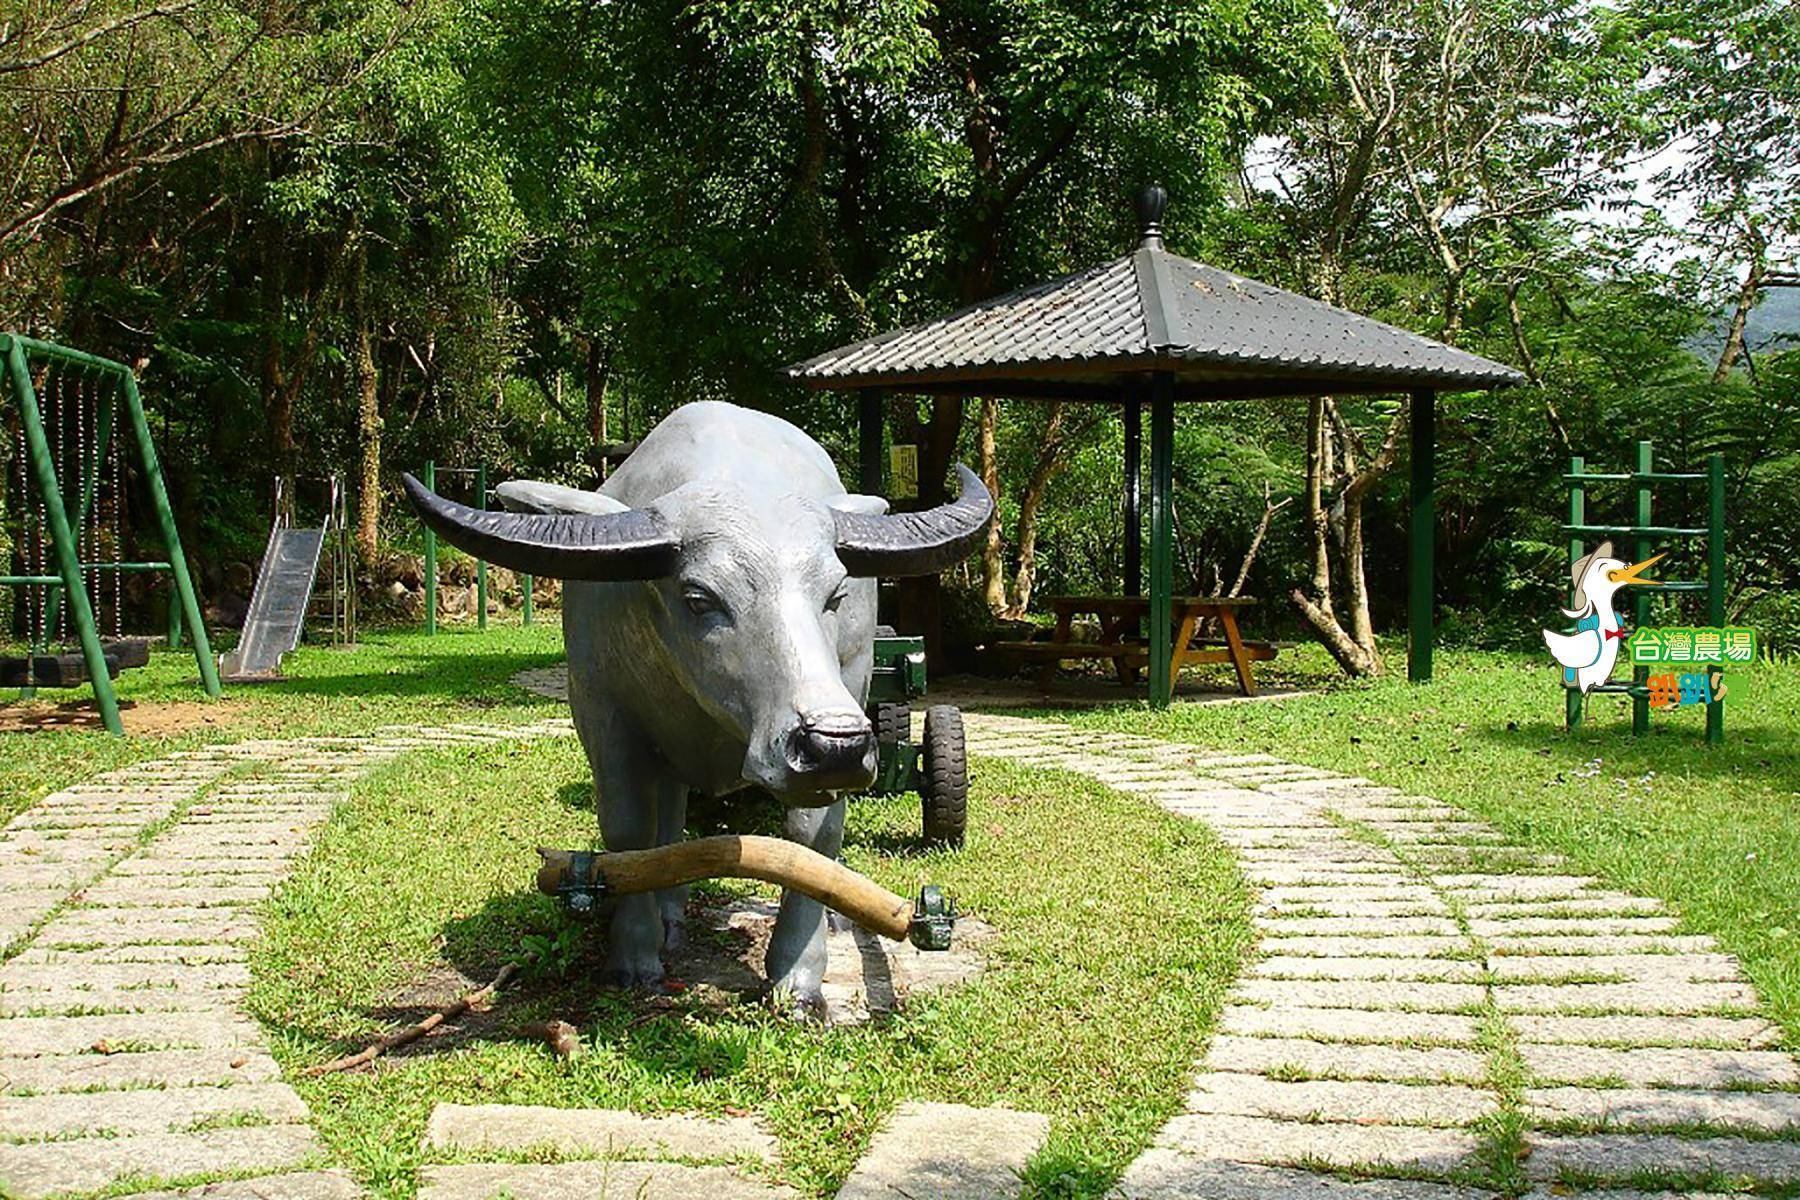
278	605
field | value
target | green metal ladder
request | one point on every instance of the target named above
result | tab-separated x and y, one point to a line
1641	481
116	383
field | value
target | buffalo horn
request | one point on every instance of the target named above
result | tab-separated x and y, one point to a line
918	543
629	545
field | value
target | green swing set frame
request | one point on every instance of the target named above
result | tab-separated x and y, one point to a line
114	386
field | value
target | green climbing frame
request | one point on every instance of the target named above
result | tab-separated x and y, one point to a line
1640	483
110	386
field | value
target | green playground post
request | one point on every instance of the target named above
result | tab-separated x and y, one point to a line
43	466
185	602
1577	516
430	558
1640	603
526	583
1715	579
1421	532
481	563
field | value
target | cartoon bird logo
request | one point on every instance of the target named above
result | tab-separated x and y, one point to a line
1587	655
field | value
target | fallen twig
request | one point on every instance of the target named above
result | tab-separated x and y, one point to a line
563	1038
413	1033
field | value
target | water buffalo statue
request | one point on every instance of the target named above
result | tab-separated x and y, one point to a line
719	615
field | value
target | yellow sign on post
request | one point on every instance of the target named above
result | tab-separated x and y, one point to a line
903	471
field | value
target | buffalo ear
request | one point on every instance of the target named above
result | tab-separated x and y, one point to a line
533	496
859	505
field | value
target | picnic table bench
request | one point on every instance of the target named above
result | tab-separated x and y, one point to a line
1121	639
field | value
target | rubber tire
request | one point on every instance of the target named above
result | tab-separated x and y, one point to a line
944	783
893	722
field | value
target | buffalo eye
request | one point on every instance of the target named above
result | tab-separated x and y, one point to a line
702	601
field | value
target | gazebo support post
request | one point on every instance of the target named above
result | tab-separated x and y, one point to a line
868	440
1422	534
1162	537
1132	413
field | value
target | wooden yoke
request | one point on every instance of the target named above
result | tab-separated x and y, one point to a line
579	877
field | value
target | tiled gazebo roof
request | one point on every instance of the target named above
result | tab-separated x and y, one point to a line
1091	333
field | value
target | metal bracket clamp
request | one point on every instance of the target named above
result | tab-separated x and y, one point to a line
581	887
934	919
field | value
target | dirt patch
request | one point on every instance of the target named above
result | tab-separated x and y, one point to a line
160	718
719	969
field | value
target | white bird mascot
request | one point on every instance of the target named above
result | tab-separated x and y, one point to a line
1587	655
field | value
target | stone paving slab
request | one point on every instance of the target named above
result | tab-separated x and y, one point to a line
1443	970
1663	1108
1672	998
1279	1143
1744	1033
1161	1174
591	1181
596	1132
1642	968
196	952
304	1185
28	1037
1361	1101
83	1000
1365	994
948	1150
1621	1155
1659	1066
29	1172
145	1110
1349	1025
151	1068
1344	1060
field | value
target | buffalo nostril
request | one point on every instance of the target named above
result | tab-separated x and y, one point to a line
831	746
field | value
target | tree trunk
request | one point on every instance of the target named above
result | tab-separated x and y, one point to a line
594	379
1050	461
1746	300
1318	519
278	402
368	413
993	549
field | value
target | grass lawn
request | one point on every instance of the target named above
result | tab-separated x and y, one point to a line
1119	930
392	676
1713	830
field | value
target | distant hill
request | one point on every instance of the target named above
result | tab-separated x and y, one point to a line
1774	324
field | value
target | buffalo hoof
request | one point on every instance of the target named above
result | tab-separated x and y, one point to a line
632	977
806	1004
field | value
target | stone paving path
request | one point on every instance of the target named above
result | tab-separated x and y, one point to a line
1436	1013
1435	1006
126	908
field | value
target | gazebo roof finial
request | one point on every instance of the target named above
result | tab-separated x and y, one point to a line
1152	199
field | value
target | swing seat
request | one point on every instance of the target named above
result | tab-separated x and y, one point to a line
131	652
50	670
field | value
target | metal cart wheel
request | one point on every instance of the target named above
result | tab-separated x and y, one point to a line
944	782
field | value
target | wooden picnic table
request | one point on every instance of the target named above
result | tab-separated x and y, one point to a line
1122	619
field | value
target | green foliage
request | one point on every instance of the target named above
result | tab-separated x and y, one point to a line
555	220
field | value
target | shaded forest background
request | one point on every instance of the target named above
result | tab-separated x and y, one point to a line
344	236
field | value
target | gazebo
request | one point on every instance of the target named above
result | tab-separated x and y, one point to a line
1154	328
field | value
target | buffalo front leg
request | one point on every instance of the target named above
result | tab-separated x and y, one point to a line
796	959
671	826
630	789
